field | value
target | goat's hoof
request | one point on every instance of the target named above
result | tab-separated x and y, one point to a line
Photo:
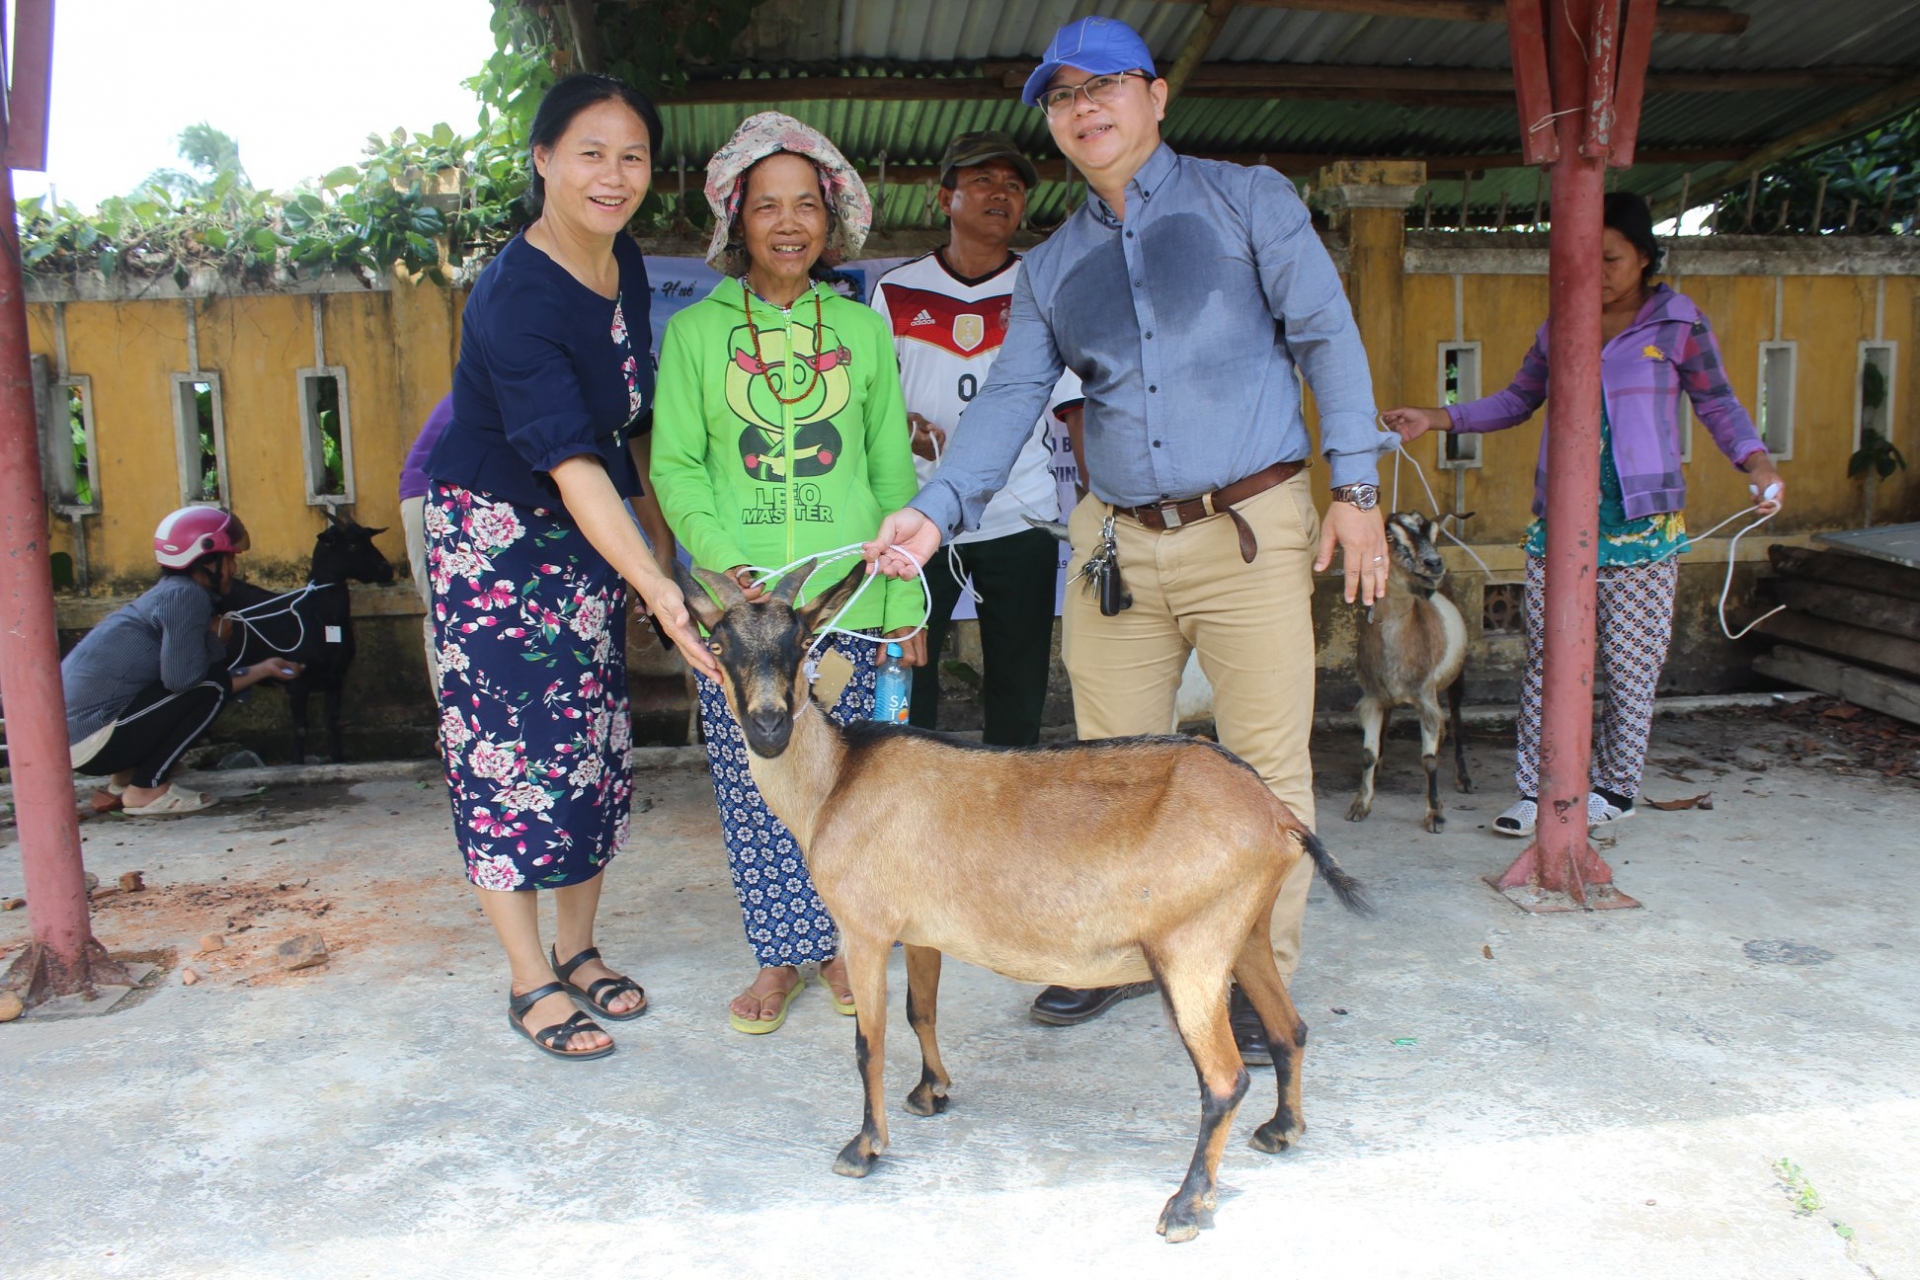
923	1101
1358	811
1435	822
1180	1220
1463	784
1273	1138
854	1161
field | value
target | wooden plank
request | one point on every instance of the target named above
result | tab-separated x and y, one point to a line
1692	19
1527	44
1850	605
1846	571
29	86
1899	656
1863	688
1897	544
1603	48
1636	46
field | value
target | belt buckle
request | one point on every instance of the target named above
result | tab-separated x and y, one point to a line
1170	516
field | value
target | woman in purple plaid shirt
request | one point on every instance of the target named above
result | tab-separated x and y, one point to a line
1658	347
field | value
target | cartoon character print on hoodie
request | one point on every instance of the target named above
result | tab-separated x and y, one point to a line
760	387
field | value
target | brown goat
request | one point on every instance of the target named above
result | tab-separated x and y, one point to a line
1085	864
1413	645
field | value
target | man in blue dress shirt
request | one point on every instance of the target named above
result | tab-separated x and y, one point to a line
1188	295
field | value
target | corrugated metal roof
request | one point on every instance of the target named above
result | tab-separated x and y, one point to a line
955	36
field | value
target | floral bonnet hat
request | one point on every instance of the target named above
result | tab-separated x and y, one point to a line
849	207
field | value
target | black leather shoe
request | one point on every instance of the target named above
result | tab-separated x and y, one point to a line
1065	1006
1249	1036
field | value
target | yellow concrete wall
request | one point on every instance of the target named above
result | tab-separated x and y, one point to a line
1827	316
397	347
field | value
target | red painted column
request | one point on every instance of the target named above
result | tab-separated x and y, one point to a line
63	958
1561	870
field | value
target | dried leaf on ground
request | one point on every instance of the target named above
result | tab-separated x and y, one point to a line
1701	801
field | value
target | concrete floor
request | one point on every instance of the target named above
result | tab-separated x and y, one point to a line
1503	1096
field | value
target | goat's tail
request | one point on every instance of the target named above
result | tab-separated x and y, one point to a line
1352	895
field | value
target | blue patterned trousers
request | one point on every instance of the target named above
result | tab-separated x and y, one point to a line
785	920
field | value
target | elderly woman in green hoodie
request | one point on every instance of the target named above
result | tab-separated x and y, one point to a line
779	435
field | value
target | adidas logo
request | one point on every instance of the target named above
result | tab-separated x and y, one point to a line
924	317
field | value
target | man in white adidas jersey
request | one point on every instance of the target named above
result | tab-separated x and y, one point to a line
948	311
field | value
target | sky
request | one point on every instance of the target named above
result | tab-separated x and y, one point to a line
299	85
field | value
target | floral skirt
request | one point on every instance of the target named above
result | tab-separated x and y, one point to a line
530	627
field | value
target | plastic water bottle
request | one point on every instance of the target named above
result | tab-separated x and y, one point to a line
892	686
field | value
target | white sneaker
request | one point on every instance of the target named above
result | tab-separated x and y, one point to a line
1601	811
1518	820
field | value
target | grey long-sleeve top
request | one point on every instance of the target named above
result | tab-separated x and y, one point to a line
1185	323
164	637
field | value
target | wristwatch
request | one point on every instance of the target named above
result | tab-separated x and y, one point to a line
1364	496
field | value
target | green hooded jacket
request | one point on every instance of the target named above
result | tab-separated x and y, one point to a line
748	473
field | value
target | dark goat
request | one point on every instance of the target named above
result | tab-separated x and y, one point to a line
312	626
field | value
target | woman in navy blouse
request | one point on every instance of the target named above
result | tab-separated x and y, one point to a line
530	551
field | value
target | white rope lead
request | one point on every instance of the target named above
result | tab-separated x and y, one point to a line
246	617
1733	546
826	558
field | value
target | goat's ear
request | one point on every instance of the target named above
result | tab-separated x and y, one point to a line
788	588
699	603
374	533
820	610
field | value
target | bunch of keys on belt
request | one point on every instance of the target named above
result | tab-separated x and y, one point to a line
1101	573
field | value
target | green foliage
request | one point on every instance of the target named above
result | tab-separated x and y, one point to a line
209	449
1880	169
410	193
326	416
77	433
363	217
1877	453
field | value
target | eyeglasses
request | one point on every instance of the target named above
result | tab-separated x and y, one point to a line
1100	91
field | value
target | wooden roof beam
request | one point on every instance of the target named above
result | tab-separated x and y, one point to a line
1692	19
1199	40
1821	133
1419	86
1289	162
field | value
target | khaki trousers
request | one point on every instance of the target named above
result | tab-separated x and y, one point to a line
1252	625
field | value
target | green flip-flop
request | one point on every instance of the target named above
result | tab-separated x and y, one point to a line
766	1027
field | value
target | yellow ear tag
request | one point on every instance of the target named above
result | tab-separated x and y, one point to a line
1653	353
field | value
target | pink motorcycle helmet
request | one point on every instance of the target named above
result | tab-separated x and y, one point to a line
191	532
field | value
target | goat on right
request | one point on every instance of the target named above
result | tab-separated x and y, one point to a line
1412	645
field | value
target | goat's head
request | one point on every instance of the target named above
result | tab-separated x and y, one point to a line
762	646
1410	543
344	552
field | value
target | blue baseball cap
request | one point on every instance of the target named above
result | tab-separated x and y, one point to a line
1098	46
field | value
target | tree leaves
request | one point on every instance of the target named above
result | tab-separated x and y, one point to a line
395	205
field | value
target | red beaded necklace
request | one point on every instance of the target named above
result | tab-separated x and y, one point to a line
759	361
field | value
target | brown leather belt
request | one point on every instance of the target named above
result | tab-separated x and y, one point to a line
1174	515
